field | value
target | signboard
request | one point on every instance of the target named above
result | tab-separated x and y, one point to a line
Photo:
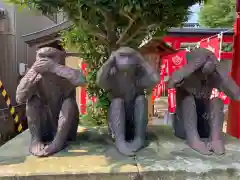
212	44
176	61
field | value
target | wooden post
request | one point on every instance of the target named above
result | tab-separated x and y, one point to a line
83	92
153	59
73	62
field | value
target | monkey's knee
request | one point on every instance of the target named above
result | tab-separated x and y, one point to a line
140	99
188	101
34	109
33	104
208	67
140	114
70	102
69	114
117	103
38	120
216	105
185	114
140	104
69	107
116	113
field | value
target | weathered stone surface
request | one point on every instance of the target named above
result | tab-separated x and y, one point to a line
92	153
168	157
93	157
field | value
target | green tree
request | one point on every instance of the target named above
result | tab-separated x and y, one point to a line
100	26
218	13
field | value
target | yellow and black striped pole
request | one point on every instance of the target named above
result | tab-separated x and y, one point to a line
10	107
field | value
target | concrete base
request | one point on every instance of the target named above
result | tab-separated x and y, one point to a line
93	157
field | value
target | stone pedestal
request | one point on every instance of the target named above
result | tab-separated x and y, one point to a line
93	157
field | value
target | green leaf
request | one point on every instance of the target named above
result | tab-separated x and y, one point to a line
218	13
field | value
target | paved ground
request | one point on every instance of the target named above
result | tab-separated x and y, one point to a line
93	157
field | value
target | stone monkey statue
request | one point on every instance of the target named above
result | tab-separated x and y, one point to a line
198	116
126	74
48	89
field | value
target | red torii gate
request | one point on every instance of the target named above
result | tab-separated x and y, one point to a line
233	124
214	43
175	61
178	39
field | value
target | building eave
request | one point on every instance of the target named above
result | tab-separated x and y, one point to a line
199	31
52	33
46	35
153	46
157	46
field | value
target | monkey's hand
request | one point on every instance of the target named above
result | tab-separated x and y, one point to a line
27	86
44	65
175	80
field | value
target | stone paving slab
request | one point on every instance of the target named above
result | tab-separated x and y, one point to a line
93	153
93	157
168	157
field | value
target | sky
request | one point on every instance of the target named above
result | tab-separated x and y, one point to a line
194	17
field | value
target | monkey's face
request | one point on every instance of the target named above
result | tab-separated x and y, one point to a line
126	62
52	54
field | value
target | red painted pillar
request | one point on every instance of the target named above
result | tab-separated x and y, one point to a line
176	44
172	92
233	123
83	93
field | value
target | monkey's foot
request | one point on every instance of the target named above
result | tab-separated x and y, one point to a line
51	149
36	148
217	147
136	144
200	147
123	149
